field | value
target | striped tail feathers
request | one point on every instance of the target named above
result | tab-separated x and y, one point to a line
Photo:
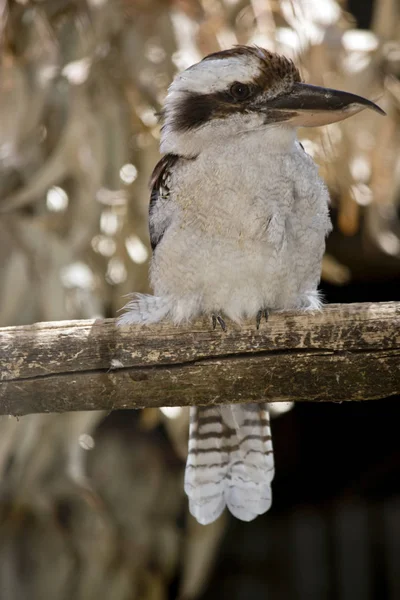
207	463
249	492
144	308
230	462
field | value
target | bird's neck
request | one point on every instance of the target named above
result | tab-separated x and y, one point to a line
272	139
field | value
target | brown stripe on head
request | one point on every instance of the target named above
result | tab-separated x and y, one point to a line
196	109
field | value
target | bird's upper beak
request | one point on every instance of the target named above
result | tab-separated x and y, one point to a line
311	106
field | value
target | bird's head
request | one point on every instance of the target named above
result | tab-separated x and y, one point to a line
246	89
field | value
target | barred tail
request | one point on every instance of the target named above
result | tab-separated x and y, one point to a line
144	308
230	461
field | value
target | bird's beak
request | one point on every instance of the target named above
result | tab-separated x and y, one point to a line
311	106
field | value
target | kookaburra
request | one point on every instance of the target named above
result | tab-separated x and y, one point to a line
238	220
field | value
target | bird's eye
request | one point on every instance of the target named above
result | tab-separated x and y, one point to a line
240	91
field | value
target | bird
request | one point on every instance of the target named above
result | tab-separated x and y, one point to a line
238	218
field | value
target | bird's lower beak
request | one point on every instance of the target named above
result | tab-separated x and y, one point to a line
311	106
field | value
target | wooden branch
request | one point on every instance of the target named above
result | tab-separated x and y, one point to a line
346	352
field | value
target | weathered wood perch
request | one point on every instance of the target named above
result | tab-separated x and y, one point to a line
346	352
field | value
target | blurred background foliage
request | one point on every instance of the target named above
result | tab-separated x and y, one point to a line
92	505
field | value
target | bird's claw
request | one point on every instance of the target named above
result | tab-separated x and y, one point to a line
262	313
218	319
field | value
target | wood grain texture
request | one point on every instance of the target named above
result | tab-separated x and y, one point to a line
346	352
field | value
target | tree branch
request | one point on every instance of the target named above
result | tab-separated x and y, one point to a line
346	352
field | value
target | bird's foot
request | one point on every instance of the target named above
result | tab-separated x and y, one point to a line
262	313
218	319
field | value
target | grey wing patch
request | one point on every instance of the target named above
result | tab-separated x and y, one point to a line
160	184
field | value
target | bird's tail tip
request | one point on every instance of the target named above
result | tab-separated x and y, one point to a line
230	462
